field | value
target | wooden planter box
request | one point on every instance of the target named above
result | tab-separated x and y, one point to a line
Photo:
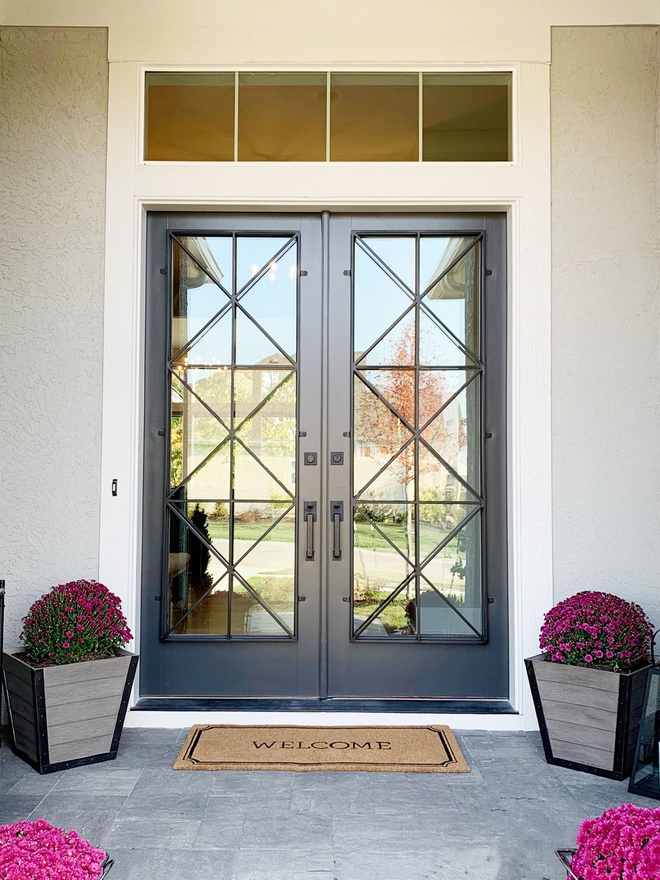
66	716
588	718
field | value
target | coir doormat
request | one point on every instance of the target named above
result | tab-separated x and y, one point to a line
266	747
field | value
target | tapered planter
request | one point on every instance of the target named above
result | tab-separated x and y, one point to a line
66	716
588	718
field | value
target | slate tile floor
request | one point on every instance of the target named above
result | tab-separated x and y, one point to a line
502	821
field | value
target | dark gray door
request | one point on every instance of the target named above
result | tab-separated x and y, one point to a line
324	494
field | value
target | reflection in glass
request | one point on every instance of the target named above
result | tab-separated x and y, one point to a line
455	435
233	443
213	253
197	299
417	438
281	117
378	303
374	117
256	253
455	572
189	117
196	432
466	117
397	253
454	298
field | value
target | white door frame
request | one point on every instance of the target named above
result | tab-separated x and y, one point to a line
521	188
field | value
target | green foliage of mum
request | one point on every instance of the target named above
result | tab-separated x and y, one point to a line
80	620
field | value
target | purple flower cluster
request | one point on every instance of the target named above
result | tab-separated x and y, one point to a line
622	844
597	629
75	621
38	851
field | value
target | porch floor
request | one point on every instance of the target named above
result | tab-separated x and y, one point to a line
502	821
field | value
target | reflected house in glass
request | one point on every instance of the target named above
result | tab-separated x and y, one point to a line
645	776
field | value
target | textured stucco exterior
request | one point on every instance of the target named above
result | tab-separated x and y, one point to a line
606	313
53	113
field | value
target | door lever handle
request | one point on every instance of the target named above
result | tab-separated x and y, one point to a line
309	514
337	514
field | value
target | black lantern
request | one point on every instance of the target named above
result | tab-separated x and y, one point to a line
645	776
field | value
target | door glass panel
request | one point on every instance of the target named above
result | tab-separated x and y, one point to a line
374	117
452	296
414	486
197	298
379	303
281	117
189	117
233	444
256	254
196	432
213	254
397	254
466	117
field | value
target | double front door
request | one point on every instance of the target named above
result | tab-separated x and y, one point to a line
324	457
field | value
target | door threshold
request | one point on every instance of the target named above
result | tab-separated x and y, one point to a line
222	704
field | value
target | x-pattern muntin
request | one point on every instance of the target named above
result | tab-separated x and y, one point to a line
234	299
229	567
233	432
234	306
476	368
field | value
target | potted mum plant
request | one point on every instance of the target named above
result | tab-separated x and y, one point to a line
38	851
68	687
622	844
588	682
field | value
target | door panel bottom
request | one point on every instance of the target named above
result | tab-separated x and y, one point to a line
449	707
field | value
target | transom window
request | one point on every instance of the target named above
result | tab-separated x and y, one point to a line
328	117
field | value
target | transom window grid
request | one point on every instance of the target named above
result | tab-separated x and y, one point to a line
324	117
366	626
181	510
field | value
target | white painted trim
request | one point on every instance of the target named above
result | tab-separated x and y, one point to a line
322	719
522	189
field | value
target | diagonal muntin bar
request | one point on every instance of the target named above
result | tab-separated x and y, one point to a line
184	247
259	462
265	268
382	265
479	237
267	532
385	400
193	528
478	362
477	371
261	601
453	608
192	608
265	332
210	324
198	398
382	336
380	532
367	623
477	508
477	495
197	469
266	399
384	468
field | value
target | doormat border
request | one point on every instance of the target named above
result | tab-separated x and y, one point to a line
456	762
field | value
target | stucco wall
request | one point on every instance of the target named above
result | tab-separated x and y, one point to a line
53	112
606	313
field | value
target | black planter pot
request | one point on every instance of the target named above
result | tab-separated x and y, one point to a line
588	718
67	716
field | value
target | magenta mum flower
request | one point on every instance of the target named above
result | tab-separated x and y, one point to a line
597	629
83	607
622	844
39	851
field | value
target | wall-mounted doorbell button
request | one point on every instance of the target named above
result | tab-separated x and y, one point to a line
336	458
310	457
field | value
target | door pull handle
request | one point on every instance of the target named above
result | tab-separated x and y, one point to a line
337	514
309	514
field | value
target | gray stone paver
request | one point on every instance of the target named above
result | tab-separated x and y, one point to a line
502	821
